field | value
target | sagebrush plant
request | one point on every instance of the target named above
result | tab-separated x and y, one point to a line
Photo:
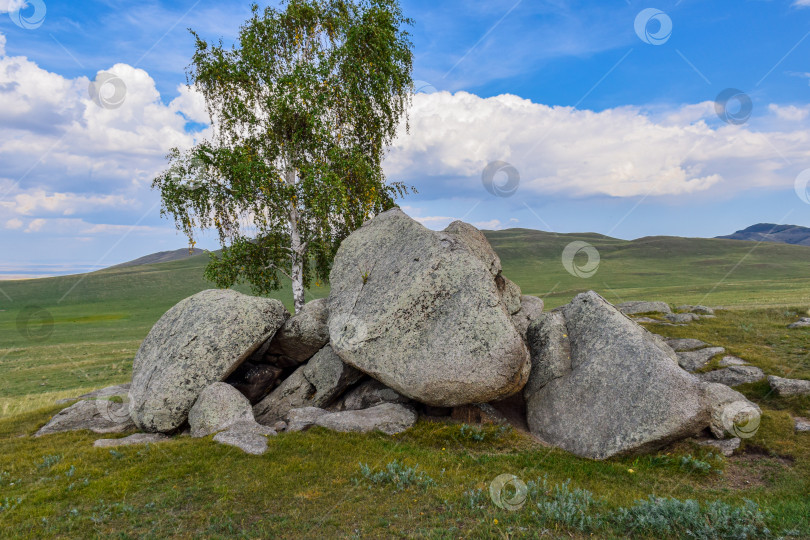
670	517
482	433
398	475
574	508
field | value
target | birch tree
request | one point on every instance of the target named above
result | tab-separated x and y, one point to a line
303	108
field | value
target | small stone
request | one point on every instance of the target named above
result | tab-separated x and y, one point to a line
732	361
681	318
98	416
638	307
802	424
734	375
137	438
789	387
247	436
279	426
804	322
701	310
218	406
694	360
685	344
725	446
390	418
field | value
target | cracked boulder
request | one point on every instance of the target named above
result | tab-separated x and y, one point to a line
315	384
427	313
602	385
200	341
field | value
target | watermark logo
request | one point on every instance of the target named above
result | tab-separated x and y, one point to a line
30	15
423	87
501	179
35	323
733	106
351	331
653	26
801	185
508	492
569	259
113	411
108	90
742	419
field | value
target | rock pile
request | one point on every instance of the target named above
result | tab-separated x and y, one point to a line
417	322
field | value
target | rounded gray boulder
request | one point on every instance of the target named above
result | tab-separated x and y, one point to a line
427	313
198	342
218	406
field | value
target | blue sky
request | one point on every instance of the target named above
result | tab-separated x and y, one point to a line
607	132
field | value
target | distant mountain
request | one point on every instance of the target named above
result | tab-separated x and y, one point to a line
769	232
162	257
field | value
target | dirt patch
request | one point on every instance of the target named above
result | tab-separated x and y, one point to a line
754	467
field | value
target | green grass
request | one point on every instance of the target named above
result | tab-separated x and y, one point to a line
313	484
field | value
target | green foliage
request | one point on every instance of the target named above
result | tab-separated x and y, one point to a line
564	506
695	465
482	433
49	461
398	475
303	108
670	517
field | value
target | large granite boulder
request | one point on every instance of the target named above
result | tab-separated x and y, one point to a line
427	313
602	385
315	384
201	340
390	418
303	335
98	416
218	406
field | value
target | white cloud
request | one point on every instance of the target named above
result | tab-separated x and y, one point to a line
2	45
621	152
790	113
8	6
801	3
79	228
13	224
491	225
35	225
38	202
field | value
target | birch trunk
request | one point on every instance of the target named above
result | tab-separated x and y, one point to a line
297	254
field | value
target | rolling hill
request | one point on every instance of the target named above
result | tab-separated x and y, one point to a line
769	232
162	257
126	300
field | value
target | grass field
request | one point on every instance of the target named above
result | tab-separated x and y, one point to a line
62	336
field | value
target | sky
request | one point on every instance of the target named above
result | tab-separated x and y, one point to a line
621	117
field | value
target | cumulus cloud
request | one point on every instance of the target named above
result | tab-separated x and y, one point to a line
39	202
2	45
65	153
10	6
14	224
620	152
